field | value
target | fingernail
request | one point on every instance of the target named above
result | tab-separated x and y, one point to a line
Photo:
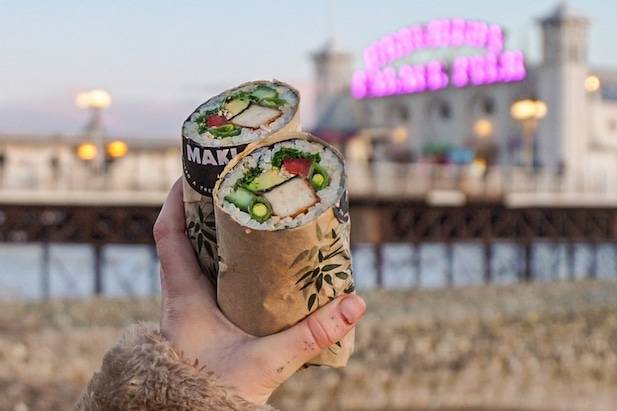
352	308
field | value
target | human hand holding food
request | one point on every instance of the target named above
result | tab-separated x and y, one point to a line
192	321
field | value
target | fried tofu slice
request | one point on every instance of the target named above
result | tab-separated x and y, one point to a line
292	198
256	116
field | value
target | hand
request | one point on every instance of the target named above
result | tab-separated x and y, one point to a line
192	321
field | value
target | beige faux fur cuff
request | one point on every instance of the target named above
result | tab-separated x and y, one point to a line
144	372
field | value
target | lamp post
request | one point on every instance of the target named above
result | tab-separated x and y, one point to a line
93	148
528	113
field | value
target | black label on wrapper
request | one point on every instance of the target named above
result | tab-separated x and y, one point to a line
202	165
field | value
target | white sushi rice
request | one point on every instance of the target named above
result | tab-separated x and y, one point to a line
262	157
190	129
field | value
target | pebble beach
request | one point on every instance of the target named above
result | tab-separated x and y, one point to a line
543	346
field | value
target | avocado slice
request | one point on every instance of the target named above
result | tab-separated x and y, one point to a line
236	106
266	181
262	92
241	198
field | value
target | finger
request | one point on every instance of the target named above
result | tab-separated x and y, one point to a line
179	266
288	350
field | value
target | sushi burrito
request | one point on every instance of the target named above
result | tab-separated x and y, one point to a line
283	231
216	132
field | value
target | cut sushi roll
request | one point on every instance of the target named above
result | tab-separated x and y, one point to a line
221	128
283	235
216	132
298	178
242	115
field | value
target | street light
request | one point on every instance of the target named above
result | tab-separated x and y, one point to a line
94	99
399	135
483	128
528	113
87	151
117	149
592	83
93	149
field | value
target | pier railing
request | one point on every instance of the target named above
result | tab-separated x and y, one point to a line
436	184
456	184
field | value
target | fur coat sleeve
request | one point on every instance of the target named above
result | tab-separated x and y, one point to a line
144	372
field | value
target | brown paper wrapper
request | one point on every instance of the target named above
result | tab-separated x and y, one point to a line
270	280
199	178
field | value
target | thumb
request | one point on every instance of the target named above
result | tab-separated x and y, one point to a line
290	349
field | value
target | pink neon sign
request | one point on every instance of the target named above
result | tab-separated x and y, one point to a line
494	66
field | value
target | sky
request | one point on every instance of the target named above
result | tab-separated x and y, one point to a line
160	59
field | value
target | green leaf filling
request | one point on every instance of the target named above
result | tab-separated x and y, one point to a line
248	177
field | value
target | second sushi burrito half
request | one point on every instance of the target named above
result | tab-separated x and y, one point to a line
283	236
217	131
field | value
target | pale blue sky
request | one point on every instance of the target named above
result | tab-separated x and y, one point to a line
159	59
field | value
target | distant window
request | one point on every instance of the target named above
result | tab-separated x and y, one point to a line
445	112
439	110
398	113
482	105
403	113
488	106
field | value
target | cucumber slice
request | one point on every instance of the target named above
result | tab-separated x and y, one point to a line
273	102
228	130
241	198
319	177
262	92
260	209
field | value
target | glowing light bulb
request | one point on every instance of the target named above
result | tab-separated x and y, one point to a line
117	149
87	151
93	99
592	83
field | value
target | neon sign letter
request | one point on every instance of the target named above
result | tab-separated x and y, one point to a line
496	65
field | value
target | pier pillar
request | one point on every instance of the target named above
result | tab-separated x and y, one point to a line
98	269
571	260
449	249
416	262
488	262
45	271
527	273
379	264
593	263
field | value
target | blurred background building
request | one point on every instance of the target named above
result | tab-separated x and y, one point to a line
450	92
443	92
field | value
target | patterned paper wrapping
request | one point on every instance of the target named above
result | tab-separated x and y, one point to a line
198	181
270	280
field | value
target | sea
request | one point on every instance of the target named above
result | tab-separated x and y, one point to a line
133	271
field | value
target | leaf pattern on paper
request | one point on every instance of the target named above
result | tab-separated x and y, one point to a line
201	230
326	267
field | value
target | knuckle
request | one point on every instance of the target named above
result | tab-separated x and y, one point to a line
319	333
160	230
